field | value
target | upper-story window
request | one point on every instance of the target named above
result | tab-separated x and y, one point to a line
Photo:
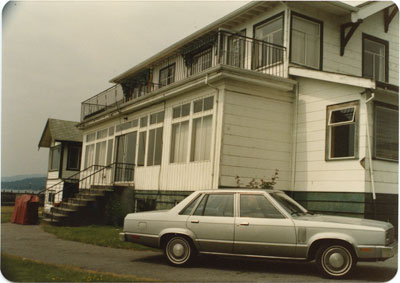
167	75
271	31
342	124
55	158
386	128
306	41
375	58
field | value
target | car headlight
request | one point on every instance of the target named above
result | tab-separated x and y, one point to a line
389	236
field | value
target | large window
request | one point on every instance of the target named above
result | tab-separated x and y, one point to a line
55	158
342	125
386	137
167	75
99	147
375	58
270	31
306	39
180	133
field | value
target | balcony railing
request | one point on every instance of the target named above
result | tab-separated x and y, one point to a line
224	48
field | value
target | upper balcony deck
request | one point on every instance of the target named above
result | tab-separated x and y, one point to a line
219	48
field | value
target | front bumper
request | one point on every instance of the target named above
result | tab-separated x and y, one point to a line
368	253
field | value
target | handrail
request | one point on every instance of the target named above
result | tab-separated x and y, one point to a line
69	178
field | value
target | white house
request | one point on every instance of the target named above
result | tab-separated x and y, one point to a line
308	88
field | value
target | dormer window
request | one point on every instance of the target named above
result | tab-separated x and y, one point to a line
375	58
167	75
306	41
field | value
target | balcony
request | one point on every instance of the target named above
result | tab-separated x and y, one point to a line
218	48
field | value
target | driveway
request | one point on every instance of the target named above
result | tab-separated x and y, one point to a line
32	243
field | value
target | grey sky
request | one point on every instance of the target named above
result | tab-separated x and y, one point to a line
57	54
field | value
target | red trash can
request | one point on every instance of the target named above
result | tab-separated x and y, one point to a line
26	210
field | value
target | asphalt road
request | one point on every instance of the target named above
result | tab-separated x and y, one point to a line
32	243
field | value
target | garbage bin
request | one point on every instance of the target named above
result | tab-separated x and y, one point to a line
26	210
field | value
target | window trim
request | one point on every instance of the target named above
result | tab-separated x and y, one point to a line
78	145
321	37
385	44
270	19
388	106
53	148
338	106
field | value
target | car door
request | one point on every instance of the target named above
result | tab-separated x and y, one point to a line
262	229
213	222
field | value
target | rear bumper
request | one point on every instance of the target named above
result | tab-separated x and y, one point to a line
143	239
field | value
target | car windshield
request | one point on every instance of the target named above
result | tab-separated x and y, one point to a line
291	206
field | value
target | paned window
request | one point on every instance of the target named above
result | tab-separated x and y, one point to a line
90	137
141	149
55	158
102	134
236	49
181	111
167	75
306	41
179	142
375	58
201	138
386	137
342	124
100	153
89	155
109	151
257	206
74	157
155	147
270	31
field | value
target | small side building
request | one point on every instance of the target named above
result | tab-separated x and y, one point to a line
64	141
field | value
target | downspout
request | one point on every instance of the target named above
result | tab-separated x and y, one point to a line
215	130
371	169
294	140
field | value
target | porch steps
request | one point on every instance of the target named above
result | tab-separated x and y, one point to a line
74	210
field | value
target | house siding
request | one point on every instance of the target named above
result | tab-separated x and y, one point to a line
257	137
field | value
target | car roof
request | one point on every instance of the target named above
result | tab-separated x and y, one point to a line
234	190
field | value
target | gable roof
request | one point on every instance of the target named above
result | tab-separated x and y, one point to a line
60	130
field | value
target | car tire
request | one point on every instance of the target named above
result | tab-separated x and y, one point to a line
335	260
179	251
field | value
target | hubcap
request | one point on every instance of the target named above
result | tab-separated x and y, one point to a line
336	260
178	250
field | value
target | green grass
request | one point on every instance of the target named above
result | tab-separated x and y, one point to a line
18	269
105	236
6	213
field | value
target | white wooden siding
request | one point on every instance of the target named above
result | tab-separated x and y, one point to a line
257	138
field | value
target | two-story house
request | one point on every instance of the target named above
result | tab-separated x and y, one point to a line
308	88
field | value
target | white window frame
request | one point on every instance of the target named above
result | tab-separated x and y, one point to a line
179	121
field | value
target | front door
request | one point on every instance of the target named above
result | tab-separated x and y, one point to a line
125	157
261	229
213	223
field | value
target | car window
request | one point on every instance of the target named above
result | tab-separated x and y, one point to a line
188	209
216	205
257	206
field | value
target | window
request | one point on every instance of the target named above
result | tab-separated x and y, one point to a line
306	41
74	157
102	134
342	124
109	151
155	147
236	49
179	142
188	209
90	137
201	61
181	111
386	137
270	31
100	153
89	155
201	138
257	206
375	58
142	148
167	75
55	158
216	205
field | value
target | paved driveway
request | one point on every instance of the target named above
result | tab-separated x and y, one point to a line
31	242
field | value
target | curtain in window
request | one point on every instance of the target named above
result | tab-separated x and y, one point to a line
179	142
201	138
89	155
386	133
100	153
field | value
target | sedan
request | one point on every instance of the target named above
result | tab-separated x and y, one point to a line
262	224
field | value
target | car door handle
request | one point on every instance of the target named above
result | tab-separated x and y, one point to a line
195	221
244	224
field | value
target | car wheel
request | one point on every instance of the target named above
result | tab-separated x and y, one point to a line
179	251
335	260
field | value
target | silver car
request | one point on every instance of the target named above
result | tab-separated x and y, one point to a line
260	223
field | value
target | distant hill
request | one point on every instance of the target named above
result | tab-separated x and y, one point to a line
21	177
28	184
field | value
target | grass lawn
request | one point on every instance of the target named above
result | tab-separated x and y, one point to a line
6	213
106	236
18	269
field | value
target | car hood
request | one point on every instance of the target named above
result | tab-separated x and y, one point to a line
345	220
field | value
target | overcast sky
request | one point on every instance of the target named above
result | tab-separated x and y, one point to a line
57	54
